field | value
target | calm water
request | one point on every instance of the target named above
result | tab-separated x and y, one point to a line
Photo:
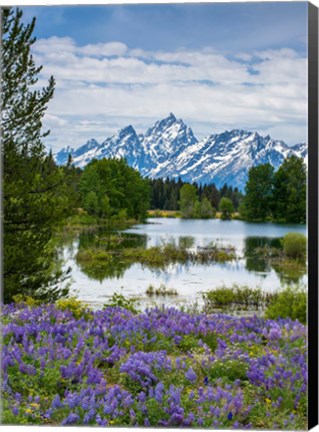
97	285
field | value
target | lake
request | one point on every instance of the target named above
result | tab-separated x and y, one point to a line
96	285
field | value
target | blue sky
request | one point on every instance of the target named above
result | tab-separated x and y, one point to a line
217	66
228	27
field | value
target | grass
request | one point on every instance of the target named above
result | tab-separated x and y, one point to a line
163	214
153	257
177	214
162	291
237	297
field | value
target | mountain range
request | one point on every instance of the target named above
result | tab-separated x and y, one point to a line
170	149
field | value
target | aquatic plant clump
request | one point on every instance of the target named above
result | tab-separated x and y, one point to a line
163	367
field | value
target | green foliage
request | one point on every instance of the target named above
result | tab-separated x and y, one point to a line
188	343
188	200
162	291
72	304
207	211
34	198
279	196
91	204
191	206
119	300
226	208
29	301
295	245
236	297
289	191
290	303
109	187
112	257
231	370
257	202
210	339
165	194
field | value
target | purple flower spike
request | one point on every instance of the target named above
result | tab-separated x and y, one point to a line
191	375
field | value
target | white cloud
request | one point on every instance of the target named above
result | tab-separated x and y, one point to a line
109	81
104	49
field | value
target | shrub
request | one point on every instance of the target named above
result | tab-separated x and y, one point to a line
78	308
226	208
118	300
26	300
294	245
290	303
220	297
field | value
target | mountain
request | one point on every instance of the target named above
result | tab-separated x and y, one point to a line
170	149
83	153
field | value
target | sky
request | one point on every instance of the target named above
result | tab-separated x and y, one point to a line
218	66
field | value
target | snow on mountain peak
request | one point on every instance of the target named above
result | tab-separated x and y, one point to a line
170	149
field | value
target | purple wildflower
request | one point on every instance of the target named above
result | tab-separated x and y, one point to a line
191	375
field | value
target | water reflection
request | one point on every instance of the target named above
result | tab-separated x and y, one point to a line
111	240
254	265
264	254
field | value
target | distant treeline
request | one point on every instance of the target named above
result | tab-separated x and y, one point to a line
165	194
109	188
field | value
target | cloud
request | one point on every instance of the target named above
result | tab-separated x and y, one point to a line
104	49
104	86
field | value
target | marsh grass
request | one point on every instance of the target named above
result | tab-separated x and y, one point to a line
153	257
237	297
162	291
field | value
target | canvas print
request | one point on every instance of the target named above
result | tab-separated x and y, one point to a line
154	215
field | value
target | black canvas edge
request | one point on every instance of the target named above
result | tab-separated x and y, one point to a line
313	117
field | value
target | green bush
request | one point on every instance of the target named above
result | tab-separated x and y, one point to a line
290	303
294	245
27	300
118	300
226	208
219	297
78	308
210	339
231	370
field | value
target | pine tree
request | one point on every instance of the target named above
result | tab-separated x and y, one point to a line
257	202
32	198
289	191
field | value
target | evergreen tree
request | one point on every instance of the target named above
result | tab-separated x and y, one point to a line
257	202
32	198
289	191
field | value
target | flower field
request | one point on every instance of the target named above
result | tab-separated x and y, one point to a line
162	367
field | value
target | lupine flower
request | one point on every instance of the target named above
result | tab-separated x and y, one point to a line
72	418
191	375
83	353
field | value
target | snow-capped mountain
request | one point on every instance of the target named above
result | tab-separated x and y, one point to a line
84	152
165	140
170	149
